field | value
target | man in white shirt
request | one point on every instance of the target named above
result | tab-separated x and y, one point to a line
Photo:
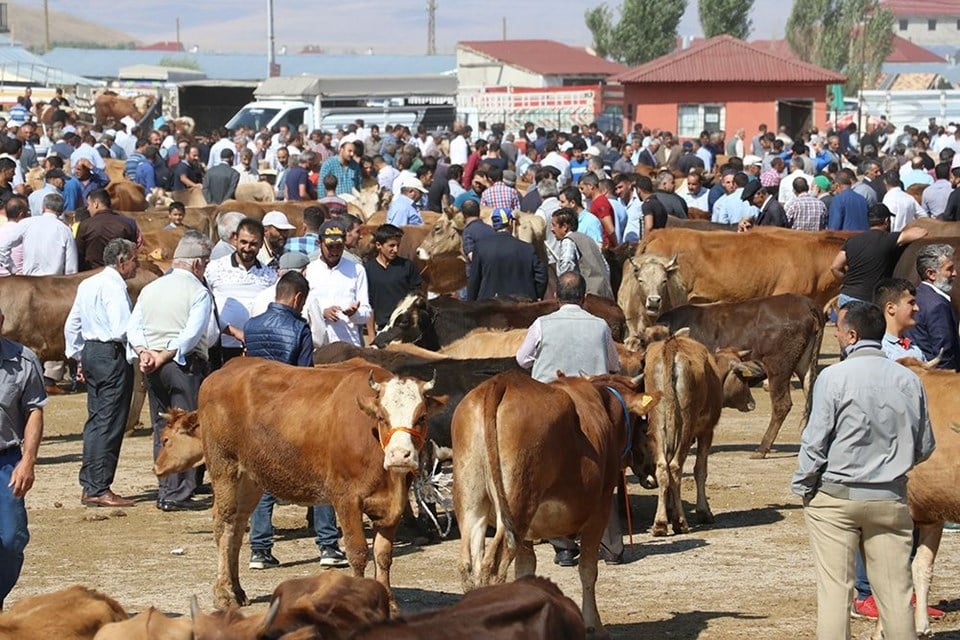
48	245
95	336
786	193
695	195
54	180
338	305
86	150
555	159
902	205
460	147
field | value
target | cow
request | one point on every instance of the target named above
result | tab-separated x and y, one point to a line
937	228
110	106
693	385
435	323
783	333
256	191
508	470
151	624
181	447
730	267
348	434
201	219
532	608
445	234
126	195
651	285
442	274
698	223
74	613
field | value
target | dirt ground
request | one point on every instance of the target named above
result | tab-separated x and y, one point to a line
748	575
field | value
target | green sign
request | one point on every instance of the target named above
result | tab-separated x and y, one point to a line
836	97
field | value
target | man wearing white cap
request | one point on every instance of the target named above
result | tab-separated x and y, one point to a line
276	230
402	211
126	138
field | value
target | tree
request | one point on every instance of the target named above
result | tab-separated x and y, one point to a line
179	63
647	29
852	37
726	16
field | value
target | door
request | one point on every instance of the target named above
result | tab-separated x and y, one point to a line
795	115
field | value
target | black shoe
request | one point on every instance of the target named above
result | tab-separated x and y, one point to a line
263	560
610	558
180	505
566	557
203	490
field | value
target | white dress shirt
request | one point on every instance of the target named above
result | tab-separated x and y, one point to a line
88	152
339	286
234	290
201	305
48	246
35	200
785	193
561	164
903	206
459	151
101	311
701	200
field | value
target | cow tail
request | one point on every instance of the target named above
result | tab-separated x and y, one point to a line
669	401
491	403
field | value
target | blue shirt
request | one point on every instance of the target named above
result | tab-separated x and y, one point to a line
848	212
619	217
145	176
307	244
893	349
590	226
469	194
348	177
72	194
577	169
98	180
731	209
402	212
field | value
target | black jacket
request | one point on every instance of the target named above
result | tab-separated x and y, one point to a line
280	334
503	267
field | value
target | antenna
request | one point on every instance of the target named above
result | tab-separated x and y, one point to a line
431	27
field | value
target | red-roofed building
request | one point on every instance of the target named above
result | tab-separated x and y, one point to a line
903	51
530	63
173	47
726	83
926	21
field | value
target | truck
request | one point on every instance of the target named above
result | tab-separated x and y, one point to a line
328	103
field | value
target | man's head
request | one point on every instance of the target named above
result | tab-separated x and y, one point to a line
313	217
292	290
387	239
858	320
878	215
332	237
16	208
728	182
470	209
571	288
589	185
276	230
897	298
8	168
346	153
97	201
666	182
54	203
935	265
227	224
248	241
502	220
176	212
571	197
56	177
563	221
192	253
121	254
644	186
351	227
694	183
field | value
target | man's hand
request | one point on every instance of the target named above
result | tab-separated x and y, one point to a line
21	480
352	309
148	361
332	314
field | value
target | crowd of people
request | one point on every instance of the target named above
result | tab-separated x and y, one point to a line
272	290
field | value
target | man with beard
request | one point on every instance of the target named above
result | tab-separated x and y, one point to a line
338	305
187	173
936	327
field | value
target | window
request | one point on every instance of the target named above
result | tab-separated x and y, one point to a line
694	118
932	25
903	25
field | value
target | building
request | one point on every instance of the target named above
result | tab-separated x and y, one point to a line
529	63
926	22
724	84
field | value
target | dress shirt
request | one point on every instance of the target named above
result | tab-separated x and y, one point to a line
590	226
530	347
935	198
459	151
848	212
896	348
48	246
619	216
189	337
402	212
348	177
697	200
16	251
101	311
730	209
806	213
903	206
88	152
785	193
634	228
234	290
305	244
561	164
500	194
915	176
21	390
36	198
386	176
341	286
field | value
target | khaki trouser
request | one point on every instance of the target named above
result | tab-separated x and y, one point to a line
883	531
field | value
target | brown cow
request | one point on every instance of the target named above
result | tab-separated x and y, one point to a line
181	447
126	196
532	608
75	613
256	191
650	286
693	385
730	267
151	624
262	433
783	333
509	472
110	106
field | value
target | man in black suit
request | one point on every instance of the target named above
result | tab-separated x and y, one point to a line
221	180
503	266
771	211
936	326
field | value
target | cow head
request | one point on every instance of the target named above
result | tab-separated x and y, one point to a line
404	324
651	285
444	238
401	409
737	374
180	445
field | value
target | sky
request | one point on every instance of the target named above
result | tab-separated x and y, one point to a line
386	26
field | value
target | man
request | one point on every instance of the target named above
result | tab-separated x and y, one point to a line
648	156
474	229
15	212
221	180
553	158
390	278
227	224
689	160
627	193
666	193
276	230
731	208
54	180
296	179
504	266
903	207
108	142
145	173
91	178
21	428
769	211
48	245
187	173
695	195
653	212
897	298
344	167
339	303
294	261
935	196
402	210
95	336
805	212
573	341
103	225
235	280
936	327
624	164
786	193
868	257
848	209
309	242
588	224
386	174
576	252
460	147
478	184
868	427
336	206
600	207
499	194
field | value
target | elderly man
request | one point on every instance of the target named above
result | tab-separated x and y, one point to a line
21	428
402	210
168	333
95	336
276	230
227	224
936	327
805	212
53	182
48	245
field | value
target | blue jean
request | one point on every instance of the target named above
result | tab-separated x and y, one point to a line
261	524
13	526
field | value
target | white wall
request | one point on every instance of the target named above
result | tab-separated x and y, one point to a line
474	70
947	30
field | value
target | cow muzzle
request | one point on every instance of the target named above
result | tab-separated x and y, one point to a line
401	447
423	254
653	304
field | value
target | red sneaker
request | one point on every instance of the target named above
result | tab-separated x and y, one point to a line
865	608
932	613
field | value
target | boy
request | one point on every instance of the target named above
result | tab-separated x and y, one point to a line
176	211
390	278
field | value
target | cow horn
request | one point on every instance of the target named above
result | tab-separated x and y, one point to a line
583	374
681	332
635	381
633	263
194	608
427	386
271	615
670	266
932	364
373	383
744	354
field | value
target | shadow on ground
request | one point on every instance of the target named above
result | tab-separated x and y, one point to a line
679	625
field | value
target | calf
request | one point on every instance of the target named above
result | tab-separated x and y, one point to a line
75	613
151	624
782	332
180	444
509	471
693	386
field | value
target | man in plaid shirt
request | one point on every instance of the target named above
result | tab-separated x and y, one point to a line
309	242
344	167
805	212
499	194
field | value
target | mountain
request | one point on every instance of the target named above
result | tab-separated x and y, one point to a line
27	28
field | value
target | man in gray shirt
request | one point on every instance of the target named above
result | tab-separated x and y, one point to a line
868	427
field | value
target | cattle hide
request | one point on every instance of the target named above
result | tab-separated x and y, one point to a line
75	613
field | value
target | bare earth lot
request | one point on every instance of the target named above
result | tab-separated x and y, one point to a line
750	575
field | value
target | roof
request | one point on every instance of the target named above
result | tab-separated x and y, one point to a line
433	85
19	65
164	45
106	63
922	8
726	59
155	72
903	50
544	57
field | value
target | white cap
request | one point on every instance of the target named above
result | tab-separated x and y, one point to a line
277	220
750	160
409	182
130	122
591	151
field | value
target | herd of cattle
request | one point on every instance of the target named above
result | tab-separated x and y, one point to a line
702	314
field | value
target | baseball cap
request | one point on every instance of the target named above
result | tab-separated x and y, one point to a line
592	151
500	217
294	260
277	220
409	182
332	233
750	160
687	144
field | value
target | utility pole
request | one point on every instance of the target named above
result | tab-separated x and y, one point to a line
179	46
431	27
503	27
46	25
272	68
